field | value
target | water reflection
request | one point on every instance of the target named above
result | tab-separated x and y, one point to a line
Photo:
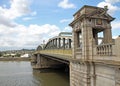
21	74
52	78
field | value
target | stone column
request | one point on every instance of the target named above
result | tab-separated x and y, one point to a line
38	61
96	38
63	43
53	43
107	34
74	43
87	38
69	43
56	43
59	42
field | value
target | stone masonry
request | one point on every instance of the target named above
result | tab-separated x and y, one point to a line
94	64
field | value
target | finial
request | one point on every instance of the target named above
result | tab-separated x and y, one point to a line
106	8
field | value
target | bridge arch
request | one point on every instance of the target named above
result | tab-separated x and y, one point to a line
39	48
59	42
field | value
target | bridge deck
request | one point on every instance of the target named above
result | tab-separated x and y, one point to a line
65	55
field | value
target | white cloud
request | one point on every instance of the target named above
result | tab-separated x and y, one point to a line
66	4
67	29
7	21
65	20
112	8
112	1
115	25
27	18
26	37
17	9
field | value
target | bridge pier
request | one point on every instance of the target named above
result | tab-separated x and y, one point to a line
79	74
44	62
94	74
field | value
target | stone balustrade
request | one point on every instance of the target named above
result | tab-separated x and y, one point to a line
104	49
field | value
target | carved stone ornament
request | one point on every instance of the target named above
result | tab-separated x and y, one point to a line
77	27
100	13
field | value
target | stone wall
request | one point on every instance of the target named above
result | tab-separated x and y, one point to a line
93	74
116	48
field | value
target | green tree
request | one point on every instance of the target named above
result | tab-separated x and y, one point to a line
1	54
18	55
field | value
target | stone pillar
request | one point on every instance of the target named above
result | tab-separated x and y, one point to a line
74	44
56	43
34	58
59	42
53	43
38	60
69	43
63	43
96	38
107	34
87	39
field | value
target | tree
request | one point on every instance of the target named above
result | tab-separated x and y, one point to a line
1	54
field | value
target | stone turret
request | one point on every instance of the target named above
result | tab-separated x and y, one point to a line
87	23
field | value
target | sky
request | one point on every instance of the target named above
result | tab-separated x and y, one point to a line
24	24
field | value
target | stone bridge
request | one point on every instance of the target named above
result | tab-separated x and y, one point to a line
90	63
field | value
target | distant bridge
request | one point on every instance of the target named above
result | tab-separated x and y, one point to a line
89	63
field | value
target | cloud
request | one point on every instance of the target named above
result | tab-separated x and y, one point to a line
65	20
27	18
115	24
7	22
112	1
111	7
67	29
26	37
18	8
66	4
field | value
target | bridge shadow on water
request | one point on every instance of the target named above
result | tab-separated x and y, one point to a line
53	76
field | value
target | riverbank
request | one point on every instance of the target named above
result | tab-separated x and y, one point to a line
15	59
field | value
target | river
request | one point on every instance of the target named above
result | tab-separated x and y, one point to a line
14	73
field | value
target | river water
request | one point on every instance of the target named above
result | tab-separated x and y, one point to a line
21	74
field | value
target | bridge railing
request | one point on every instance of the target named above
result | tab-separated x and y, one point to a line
104	49
65	52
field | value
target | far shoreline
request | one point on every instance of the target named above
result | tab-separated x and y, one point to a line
15	59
